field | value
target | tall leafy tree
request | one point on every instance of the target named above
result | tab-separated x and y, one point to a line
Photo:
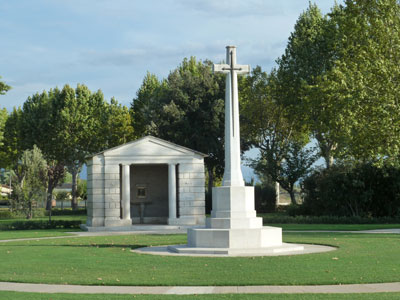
186	108
11	148
266	125
365	79
117	126
37	126
310	53
78	119
145	105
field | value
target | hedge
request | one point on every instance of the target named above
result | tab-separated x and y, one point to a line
328	220
352	190
40	224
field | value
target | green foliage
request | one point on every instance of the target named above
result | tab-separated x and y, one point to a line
144	106
361	190
339	78
70	124
62	196
294	164
187	108
267	125
67	177
295	216
365	79
82	189
68	212
117	126
18	214
31	188
4	87
3	119
264	198
309	54
41	224
11	147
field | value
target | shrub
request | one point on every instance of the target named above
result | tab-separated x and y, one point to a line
66	212
265	198
28	225
8	214
361	190
327	220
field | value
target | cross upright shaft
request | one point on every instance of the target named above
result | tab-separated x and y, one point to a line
233	173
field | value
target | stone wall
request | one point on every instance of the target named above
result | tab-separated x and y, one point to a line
191	193
95	192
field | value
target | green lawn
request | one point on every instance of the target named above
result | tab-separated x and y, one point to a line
361	258
37	296
22	234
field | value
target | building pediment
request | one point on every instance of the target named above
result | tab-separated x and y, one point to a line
150	146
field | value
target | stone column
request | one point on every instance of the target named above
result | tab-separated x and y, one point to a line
171	193
126	193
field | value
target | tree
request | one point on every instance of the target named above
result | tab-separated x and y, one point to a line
144	106
296	164
4	87
267	126
69	125
31	188
88	124
310	53
38	126
117	128
3	120
365	79
78	118
187	108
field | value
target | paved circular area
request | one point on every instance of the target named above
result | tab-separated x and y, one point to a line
274	251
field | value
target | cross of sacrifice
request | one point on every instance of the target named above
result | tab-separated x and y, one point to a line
232	172
233	69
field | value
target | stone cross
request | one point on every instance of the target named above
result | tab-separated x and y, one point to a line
233	173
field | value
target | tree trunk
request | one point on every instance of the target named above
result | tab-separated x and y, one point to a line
328	160
277	193
74	173
30	209
292	197
49	199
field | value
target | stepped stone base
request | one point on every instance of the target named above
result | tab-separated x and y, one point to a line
234	228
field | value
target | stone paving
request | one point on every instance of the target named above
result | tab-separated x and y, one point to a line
188	290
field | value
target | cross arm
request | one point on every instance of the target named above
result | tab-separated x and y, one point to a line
221	68
242	69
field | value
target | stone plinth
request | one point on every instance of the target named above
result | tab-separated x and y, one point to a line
233	227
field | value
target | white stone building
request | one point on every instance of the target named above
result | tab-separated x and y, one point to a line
146	181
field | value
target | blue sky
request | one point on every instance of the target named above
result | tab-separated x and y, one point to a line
111	44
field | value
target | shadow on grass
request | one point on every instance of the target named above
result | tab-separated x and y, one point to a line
79	246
